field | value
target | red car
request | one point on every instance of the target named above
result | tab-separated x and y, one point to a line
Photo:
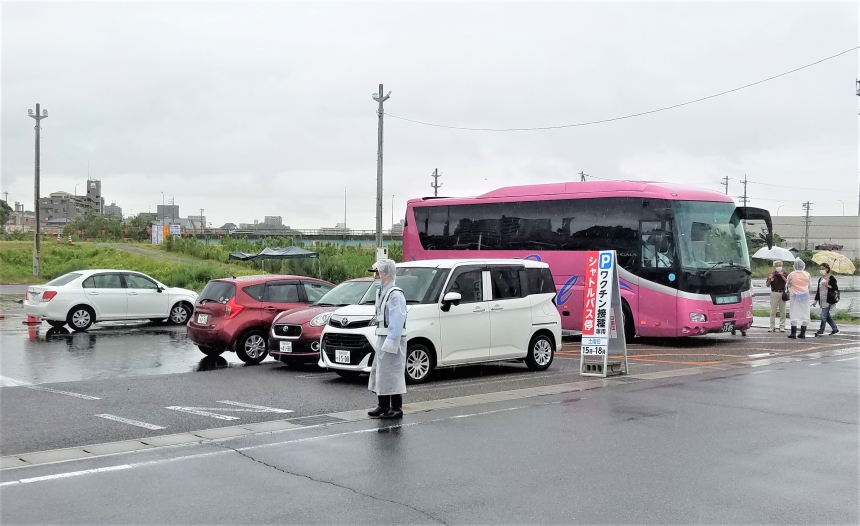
236	314
295	335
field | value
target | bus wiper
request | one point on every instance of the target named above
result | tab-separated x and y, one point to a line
728	265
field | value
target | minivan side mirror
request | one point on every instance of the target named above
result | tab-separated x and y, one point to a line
452	298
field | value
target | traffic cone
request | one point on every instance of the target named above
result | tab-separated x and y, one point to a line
32	320
58	239
70	239
32	332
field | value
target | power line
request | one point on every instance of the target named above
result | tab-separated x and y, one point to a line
626	116
792	187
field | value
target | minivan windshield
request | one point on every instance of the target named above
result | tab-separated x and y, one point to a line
347	293
220	291
419	284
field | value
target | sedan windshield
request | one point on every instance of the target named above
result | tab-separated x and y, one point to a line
347	293
710	235
62	280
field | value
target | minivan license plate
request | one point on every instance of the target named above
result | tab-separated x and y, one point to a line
202	318
341	356
728	326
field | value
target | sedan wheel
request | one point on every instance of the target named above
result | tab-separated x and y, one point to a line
252	347
179	314
418	364
80	319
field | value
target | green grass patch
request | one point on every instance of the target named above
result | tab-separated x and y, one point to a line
16	264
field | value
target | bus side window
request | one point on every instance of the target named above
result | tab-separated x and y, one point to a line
657	249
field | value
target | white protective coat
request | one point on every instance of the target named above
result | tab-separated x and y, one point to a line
798	284
388	372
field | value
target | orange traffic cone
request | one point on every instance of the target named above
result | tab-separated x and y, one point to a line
32	332
32	320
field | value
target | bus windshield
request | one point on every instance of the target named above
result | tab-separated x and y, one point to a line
710	235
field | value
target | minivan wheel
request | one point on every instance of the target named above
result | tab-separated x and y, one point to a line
210	351
252	347
419	363
179	314
80	318
541	353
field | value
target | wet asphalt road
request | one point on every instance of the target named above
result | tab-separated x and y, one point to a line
55	385
767	445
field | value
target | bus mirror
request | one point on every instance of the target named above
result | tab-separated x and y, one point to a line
452	298
748	213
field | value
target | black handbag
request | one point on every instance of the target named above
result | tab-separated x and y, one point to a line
785	295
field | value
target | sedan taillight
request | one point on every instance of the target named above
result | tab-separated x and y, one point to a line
48	295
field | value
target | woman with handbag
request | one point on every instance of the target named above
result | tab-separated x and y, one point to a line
798	285
778	296
828	295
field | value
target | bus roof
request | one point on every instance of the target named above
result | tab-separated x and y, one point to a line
583	190
451	263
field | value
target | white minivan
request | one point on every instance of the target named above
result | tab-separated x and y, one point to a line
459	312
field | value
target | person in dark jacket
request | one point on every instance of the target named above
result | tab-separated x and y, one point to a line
826	295
776	281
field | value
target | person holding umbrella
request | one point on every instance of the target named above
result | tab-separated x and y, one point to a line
798	285
388	372
826	294
777	282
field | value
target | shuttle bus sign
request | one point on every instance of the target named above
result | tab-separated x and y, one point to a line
600	310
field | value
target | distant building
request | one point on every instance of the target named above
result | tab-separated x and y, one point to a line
60	208
197	222
397	228
228	226
151	216
339	229
168	212
21	220
273	220
113	210
823	230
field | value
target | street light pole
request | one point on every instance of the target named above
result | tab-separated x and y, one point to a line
39	115
777	209
843	206
392	211
380	98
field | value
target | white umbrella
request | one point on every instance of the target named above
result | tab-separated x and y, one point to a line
774	253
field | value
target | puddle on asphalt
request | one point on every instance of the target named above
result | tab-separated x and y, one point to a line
43	354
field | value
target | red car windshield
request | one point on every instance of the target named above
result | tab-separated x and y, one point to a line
347	293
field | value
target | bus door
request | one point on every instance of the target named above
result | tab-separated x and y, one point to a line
658	290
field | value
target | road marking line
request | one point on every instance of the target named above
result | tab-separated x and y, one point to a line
13	382
846	359
258	407
762	372
67	393
130	421
819	363
761	355
67	475
195	411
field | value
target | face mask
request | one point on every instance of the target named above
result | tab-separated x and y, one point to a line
823	272
778	269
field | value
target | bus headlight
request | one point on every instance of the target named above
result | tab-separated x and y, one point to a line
698	317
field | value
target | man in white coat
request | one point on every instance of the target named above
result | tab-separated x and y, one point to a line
388	372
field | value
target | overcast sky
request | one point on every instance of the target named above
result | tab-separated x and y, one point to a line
253	109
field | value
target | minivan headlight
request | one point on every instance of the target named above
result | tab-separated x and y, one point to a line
698	317
320	319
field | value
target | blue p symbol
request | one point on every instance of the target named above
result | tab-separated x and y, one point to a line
605	260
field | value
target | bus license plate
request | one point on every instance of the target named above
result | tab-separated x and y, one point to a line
286	346
728	326
341	356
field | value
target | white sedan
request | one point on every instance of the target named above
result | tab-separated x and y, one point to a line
84	297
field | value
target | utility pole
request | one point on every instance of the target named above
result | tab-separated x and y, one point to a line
39	115
380	98
435	184
726	184
344	212
6	194
806	206
582	177
744	198
202	223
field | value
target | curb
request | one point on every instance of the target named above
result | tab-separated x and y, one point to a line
274	426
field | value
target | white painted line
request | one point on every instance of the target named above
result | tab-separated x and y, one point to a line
819	363
258	407
12	382
130	422
198	412
761	355
67	393
762	372
847	359
67	475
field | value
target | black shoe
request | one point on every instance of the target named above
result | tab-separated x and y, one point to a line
802	332
793	334
392	413
835	331
382	407
819	333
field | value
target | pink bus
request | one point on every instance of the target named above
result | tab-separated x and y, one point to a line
682	253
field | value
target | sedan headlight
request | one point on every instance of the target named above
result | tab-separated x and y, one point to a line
698	317
320	319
